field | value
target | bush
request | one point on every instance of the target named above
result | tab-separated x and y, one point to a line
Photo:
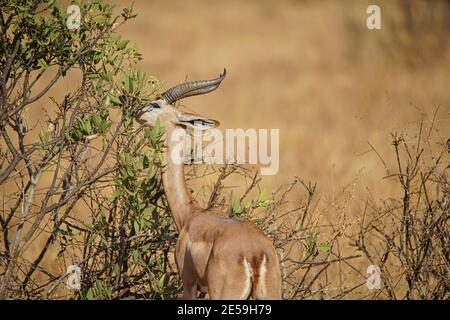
85	151
407	237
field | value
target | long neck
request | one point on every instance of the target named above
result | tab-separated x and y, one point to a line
180	200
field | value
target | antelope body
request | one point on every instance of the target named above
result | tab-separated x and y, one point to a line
222	256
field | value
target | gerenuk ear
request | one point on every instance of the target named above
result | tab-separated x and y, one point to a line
197	122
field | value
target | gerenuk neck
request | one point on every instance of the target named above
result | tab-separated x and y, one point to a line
180	200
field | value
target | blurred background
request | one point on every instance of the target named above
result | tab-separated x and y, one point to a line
311	69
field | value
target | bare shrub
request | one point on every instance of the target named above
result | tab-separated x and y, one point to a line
407	237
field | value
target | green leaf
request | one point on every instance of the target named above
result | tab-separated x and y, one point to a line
236	207
136	226
324	247
163	280
44	136
263	199
312	241
42	64
90	294
145	247
135	256
114	100
146	213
